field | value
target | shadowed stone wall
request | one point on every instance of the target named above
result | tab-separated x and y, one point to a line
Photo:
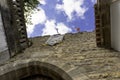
4	54
35	70
3	44
102	18
12	16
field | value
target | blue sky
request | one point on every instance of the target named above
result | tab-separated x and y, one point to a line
62	16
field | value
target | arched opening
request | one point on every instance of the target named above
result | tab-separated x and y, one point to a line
36	70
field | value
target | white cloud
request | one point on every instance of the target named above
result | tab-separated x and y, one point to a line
62	28
51	28
42	2
72	6
38	17
59	7
30	29
50	25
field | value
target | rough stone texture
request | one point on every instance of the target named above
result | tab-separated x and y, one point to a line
14	25
4	56
4	53
77	55
3	44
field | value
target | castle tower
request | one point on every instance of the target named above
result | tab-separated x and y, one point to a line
13	36
4	52
107	23
103	24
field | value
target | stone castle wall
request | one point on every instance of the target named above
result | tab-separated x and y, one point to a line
3	44
4	54
77	55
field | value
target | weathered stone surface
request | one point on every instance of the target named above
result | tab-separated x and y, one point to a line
3	44
4	56
77	55
4	53
54	39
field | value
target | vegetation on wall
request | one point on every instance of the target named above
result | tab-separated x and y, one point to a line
29	8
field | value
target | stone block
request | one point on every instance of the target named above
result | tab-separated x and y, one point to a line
4	56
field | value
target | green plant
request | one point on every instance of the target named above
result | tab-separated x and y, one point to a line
30	6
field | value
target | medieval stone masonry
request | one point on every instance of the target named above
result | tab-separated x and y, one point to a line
80	56
4	52
77	55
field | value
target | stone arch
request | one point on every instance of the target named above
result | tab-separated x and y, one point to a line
37	71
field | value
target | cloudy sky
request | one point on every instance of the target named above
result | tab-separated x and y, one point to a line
62	16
